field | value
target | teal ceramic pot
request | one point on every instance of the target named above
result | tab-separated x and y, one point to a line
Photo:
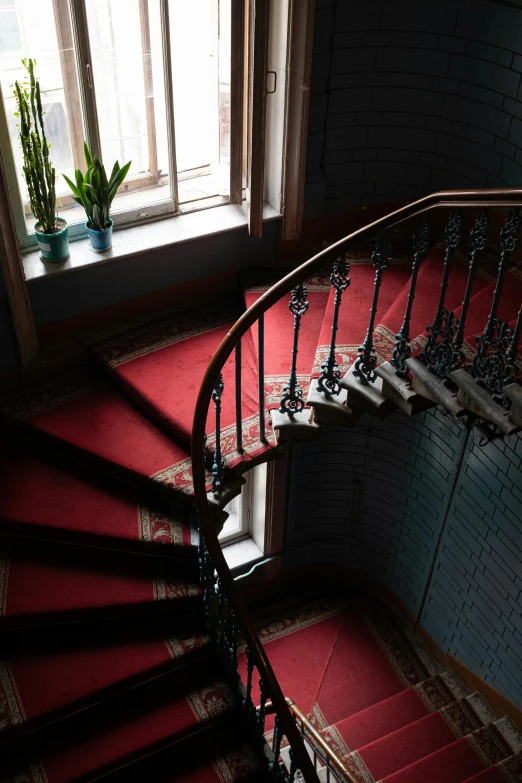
100	240
54	247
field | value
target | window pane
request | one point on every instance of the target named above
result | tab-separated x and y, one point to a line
27	29
125	39
201	74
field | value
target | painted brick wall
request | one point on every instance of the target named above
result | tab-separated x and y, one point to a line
410	97
377	499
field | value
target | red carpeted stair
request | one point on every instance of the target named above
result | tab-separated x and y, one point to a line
106	669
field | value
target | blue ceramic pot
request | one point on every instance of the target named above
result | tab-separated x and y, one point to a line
54	247
100	240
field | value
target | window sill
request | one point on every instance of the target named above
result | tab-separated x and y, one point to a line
242	553
134	240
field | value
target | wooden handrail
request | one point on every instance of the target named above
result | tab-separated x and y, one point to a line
335	759
453	199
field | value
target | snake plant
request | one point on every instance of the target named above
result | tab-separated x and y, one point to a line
39	172
94	191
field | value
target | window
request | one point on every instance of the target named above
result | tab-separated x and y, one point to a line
247	511
142	80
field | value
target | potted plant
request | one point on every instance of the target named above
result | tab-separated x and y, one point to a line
39	172
95	193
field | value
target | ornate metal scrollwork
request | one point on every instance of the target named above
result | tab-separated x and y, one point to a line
511	369
218	467
478	242
490	362
366	361
438	351
292	400
328	382
402	350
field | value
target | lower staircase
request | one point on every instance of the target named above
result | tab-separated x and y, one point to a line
119	618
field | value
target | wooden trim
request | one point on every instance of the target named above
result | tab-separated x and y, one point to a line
82	46
62	18
237	95
149	89
257	114
169	101
299	76
12	271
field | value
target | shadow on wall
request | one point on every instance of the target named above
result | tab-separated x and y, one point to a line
385	499
408	98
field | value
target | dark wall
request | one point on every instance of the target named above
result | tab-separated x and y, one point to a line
411	97
386	499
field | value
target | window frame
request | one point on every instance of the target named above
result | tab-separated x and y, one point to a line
80	98
243	503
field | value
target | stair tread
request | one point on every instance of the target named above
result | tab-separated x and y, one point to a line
413	742
356	301
161	365
39	685
40	499
389	715
73	584
458	761
88	419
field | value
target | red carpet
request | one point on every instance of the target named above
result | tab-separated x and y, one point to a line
457	762
354	313
155	361
202	697
67	585
88	414
37	495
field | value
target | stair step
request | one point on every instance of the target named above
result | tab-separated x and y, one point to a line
433	388
161	366
41	500
480	402
44	586
82	418
369	397
113	734
413	742
400	391
40	687
332	409
389	715
457	762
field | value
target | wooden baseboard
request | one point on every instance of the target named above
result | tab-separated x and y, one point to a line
309	575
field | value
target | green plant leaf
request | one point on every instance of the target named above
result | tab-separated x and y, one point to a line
88	158
74	189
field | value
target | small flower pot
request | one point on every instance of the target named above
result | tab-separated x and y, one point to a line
100	240
54	247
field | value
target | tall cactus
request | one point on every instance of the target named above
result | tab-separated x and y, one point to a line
39	172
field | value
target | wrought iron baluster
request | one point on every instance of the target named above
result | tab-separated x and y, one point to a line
239	413
292	399
328	382
261	351
221	615
367	359
232	641
248	704
438	352
204	560
293	767
489	363
402	349
478	243
262	704
218	468
511	370
276	741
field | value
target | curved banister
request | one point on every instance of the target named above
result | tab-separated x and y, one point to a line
446	199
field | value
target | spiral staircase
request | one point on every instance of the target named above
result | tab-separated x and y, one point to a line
120	619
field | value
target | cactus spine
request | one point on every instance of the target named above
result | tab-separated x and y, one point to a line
39	172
